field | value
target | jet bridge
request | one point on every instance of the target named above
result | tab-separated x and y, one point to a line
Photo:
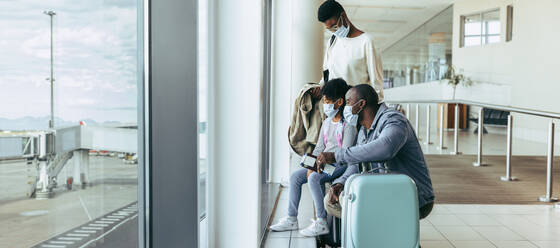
51	150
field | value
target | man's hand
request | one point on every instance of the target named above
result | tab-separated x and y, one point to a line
326	158
334	193
319	167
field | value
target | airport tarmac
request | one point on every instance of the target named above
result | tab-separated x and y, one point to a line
25	222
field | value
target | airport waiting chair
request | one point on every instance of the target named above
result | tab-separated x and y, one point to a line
492	117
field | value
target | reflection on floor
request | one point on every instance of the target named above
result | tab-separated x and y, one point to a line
305	214
457	225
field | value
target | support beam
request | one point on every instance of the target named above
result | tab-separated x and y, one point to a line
428	112
173	123
235	175
480	132
441	115
549	166
508	176
456	132
417	121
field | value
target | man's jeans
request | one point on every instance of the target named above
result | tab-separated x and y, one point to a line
316	186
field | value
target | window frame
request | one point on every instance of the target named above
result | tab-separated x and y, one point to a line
168	123
509	23
484	34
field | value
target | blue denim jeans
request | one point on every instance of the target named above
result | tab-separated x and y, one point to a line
316	183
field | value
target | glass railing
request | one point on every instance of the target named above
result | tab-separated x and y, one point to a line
424	55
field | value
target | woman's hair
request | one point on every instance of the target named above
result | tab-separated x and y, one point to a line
335	89
328	10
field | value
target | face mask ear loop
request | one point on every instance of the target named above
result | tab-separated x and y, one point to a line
338	105
358	103
342	21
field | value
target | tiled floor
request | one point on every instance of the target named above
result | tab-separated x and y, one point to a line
459	226
452	225
292	239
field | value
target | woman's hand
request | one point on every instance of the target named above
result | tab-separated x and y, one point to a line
309	172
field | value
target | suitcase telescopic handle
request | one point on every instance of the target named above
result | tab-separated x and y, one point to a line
380	168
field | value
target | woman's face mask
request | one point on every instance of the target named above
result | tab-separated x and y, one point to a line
331	109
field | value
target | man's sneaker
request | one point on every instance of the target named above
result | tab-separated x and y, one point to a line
317	227
285	224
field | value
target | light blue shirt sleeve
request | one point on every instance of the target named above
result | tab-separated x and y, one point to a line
320	147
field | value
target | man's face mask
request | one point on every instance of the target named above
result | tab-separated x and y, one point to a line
349	116
339	30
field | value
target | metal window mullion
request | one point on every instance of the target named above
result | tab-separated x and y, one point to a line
481	26
173	133
143	23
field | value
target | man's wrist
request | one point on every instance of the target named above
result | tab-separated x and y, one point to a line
338	155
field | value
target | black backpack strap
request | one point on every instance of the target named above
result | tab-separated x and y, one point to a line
326	72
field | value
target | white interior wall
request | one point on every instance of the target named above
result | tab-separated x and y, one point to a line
235	75
518	73
297	58
280	89
524	67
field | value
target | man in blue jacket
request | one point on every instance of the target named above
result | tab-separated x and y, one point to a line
385	139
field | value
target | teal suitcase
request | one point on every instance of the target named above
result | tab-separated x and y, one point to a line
380	210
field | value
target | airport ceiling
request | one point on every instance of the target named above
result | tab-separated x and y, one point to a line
390	20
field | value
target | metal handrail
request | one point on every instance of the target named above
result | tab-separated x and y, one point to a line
488	105
548	197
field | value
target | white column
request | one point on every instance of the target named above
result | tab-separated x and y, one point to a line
307	44
235	75
81	166
297	58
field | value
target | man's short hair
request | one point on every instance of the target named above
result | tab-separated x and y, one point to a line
329	9
335	89
366	92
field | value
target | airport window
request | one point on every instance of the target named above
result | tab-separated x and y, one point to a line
69	123
203	115
509	30
480	29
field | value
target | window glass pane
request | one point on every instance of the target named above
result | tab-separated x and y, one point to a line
491	23
493	27
472	41
85	167
203	102
472	25
203	118
493	39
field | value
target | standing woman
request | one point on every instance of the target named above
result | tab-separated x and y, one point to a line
350	53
